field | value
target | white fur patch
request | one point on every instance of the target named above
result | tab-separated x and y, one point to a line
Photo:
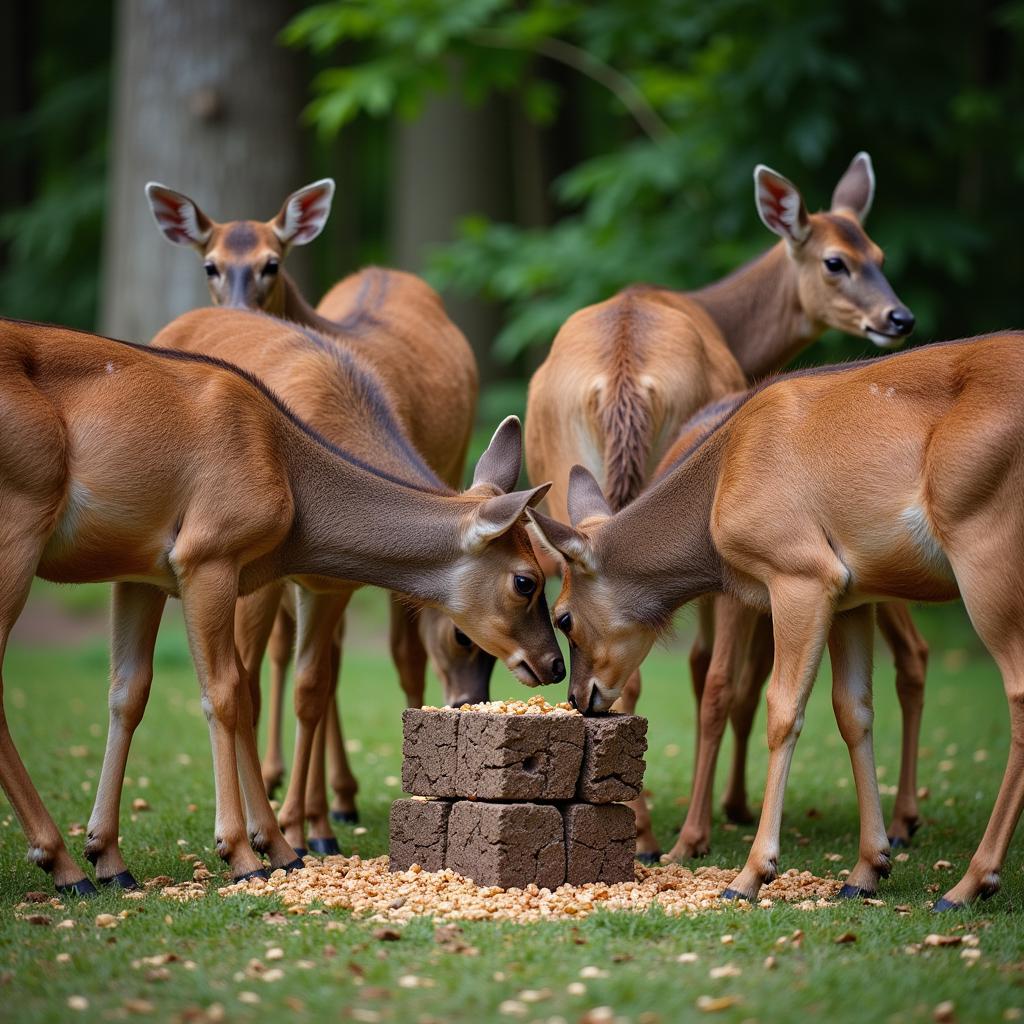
920	529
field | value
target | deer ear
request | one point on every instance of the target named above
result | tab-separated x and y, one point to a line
500	464
574	546
304	213
585	498
856	189
494	517
780	205
181	221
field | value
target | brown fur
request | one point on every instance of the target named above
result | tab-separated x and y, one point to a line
623	377
176	474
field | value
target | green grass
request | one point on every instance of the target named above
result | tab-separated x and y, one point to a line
55	701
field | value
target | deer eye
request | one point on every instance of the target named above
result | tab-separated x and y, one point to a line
211	269
834	265
564	623
461	639
524	585
271	268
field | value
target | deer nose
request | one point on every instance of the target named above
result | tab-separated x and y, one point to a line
902	320
557	670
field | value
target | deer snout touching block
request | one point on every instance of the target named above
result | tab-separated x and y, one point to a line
786	507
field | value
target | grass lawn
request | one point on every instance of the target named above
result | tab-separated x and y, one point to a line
333	966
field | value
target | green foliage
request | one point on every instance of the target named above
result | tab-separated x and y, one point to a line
50	243
679	100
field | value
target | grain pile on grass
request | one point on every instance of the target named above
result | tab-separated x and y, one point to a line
368	888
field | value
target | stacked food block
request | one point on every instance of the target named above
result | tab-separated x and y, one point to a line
512	793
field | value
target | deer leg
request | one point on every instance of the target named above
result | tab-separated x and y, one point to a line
340	776
318	616
254	620
407	652
321	837
261	825
994	599
733	626
136	612
208	593
850	647
700	662
19	557
647	851
801	617
910	652
282	646
753	673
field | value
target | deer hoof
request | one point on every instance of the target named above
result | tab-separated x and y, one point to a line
293	865
345	817
649	858
83	889
123	880
735	894
300	851
325	847
258	873
943	904
852	892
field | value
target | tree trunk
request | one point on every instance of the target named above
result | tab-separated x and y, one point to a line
452	161
207	102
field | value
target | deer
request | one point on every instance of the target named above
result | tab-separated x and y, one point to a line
814	496
176	474
624	376
377	308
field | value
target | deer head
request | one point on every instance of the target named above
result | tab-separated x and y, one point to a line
242	258
606	643
463	668
840	282
510	619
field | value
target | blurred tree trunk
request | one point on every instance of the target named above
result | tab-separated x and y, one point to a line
16	48
452	161
207	102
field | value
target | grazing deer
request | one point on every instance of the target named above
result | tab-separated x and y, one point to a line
623	377
380	311
814	496
175	474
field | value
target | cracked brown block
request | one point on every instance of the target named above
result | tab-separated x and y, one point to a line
419	834
519	757
508	845
429	740
613	759
600	843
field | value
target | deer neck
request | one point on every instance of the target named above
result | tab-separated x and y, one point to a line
658	552
289	303
757	308
353	523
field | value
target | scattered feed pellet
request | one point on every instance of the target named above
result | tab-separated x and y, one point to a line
370	889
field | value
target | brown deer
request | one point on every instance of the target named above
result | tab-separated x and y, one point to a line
178	474
624	376
813	497
379	310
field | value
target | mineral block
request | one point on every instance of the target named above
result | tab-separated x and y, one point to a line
429	740
419	834
600	843
613	758
519	757
508	845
